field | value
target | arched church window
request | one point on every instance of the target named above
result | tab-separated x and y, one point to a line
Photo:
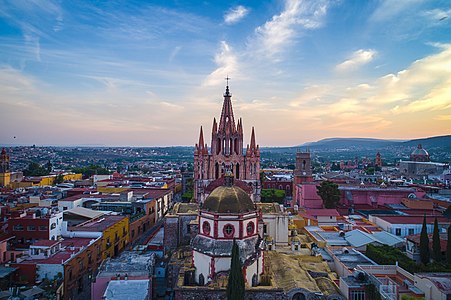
298	296
254	280
218	146
229	230
206	228
237	172
303	165
250	228
201	279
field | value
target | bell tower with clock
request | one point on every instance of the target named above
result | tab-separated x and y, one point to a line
303	170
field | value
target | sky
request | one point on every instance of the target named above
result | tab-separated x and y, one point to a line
150	73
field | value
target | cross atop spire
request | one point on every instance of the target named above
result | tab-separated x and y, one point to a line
227	93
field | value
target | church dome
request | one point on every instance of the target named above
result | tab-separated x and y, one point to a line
419	154
228	199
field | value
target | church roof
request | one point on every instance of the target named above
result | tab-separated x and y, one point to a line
228	199
419	151
220	248
221	181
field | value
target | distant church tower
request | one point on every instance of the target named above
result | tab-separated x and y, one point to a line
5	173
226	155
303	170
378	161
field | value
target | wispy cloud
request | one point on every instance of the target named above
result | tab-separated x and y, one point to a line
388	9
438	14
227	64
235	14
282	29
357	59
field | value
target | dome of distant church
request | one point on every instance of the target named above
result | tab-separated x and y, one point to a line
419	154
228	199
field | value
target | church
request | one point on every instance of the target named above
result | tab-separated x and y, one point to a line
226	155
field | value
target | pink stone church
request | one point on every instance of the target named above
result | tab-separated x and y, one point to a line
226	155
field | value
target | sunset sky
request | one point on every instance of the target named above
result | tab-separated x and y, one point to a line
150	73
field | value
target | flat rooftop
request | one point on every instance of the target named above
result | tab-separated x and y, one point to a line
130	262
351	258
127	289
99	224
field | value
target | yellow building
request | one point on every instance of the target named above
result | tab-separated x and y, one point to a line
113	229
44	180
5	173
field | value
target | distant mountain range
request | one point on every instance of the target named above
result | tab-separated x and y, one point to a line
439	147
369	143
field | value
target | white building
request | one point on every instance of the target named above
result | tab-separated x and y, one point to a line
275	223
403	226
436	286
228	213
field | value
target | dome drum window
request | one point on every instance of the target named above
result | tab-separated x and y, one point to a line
206	228
250	228
229	230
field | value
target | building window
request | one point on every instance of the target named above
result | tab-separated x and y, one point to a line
228	230
206	228
53	226
357	295
43	228
411	231
250	228
18	227
398	231
265	229
31	228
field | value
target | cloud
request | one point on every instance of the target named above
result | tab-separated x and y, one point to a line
174	53
282	29
388	9
235	14
357	59
413	102
227	64
438	14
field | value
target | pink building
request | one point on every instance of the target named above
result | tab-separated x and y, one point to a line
306	196
376	195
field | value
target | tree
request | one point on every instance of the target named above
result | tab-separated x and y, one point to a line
35	169
59	179
235	285
447	212
49	166
424	244
328	191
370	171
272	195
91	170
436	251
448	247
335	167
